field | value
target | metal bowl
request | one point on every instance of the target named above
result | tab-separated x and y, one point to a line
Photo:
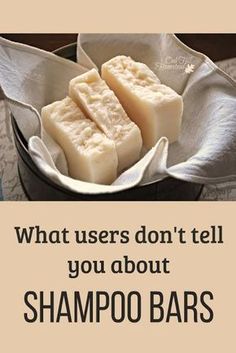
38	187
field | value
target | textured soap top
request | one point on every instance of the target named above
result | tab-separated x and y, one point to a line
139	78
102	103
155	108
91	156
84	133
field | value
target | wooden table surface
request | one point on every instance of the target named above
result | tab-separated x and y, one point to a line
216	46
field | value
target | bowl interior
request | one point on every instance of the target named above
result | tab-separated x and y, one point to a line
165	189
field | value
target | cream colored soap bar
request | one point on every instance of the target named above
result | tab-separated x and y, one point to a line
91	156
155	108
96	99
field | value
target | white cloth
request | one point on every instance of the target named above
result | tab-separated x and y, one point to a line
206	151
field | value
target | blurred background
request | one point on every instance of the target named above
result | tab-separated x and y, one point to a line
216	46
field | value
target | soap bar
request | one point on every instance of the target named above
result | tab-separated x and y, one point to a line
155	108
91	156
96	99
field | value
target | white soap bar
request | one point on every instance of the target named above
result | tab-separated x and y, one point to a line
91	156
155	108
96	99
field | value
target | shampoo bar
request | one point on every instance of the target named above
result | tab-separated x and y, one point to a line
155	108
91	156
95	98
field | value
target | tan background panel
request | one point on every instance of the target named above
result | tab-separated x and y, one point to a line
44	267
122	16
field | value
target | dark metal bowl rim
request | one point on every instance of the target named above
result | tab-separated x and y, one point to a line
34	168
66	52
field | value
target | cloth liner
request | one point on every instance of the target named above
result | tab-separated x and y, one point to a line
206	151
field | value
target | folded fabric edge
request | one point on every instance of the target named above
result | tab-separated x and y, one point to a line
180	176
41	156
205	59
23	105
200	179
82	55
36	51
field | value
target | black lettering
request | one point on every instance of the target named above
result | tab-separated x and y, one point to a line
73	270
113	233
63	302
120	296
206	306
130	317
124	235
140	236
24	234
190	307
101	307
44	306
31	307
93	237
116	266
154	305
173	308
88	307
80	237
